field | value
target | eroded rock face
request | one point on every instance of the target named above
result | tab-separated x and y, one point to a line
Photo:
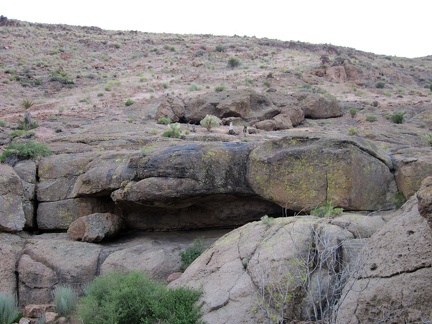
171	107
12	217
319	106
46	263
242	270
10	247
424	196
26	170
95	227
397	279
410	172
303	172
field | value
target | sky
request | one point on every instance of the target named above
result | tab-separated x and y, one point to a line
388	27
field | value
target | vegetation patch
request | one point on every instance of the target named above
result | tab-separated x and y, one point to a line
25	151
190	254
134	298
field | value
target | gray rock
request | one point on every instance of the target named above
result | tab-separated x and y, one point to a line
95	227
12	218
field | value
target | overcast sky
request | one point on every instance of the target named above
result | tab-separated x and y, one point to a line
390	27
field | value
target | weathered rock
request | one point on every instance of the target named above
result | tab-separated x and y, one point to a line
60	214
246	104
26	170
304	172
46	263
410	172
319	106
259	261
35	311
171	107
424	196
95	227
10	247
58	173
12	217
396	282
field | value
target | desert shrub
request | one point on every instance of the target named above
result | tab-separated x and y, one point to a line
427	138
209	122
220	48
65	300
164	120
25	151
194	87
199	53
353	112
129	102
23	124
380	85
397	117
219	88
190	254
174	131
326	211
352	131
135	298
399	199
375	103
9	311
26	104
165	85
2	123
371	118
233	62
21	133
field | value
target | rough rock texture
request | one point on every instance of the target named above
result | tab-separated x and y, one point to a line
26	170
396	282
10	246
303	172
424	196
187	185
12	217
319	106
262	256
171	107
95	227
46	263
246	104
411	171
60	214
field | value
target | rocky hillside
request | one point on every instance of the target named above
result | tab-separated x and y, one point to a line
302	126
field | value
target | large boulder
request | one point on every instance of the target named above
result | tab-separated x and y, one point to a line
396	282
410	172
424	196
304	172
246	104
10	247
319	106
189	186
171	107
46	263
259	272
95	227
12	216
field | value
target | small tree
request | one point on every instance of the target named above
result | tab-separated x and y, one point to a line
233	62
210	122
174	131
398	117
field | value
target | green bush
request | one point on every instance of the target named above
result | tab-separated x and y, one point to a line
380	85
371	118
219	88
427	138
2	123
23	124
9	311
397	117
165	85
129	102
25	151
209	122
164	120
134	298
353	112
174	131
194	87
21	133
190	254
326	211
65	300
233	62
220	48
352	131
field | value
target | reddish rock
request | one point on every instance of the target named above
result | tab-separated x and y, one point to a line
95	227
174	276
